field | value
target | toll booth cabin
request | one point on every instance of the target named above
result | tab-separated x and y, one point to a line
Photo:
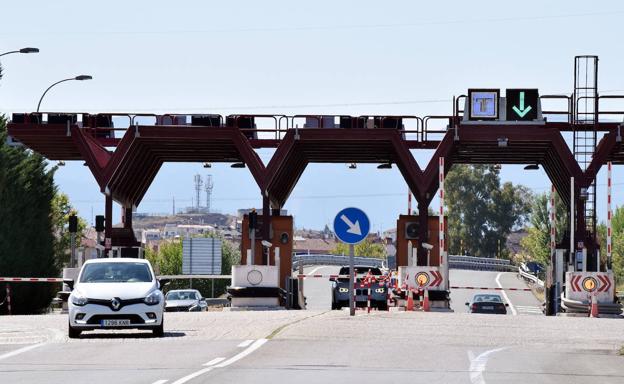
280	236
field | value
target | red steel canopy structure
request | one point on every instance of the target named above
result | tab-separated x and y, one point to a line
125	161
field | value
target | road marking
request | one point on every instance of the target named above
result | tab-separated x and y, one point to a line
214	361
245	343
257	344
529	309
160	381
316	269
192	375
477	365
21	350
513	310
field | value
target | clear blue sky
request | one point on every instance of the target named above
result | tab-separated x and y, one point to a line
346	57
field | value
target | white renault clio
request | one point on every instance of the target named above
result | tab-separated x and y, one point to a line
115	294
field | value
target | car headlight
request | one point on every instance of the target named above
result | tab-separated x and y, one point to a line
343	290
153	298
78	299
380	290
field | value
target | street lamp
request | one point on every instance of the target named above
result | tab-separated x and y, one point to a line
23	50
79	78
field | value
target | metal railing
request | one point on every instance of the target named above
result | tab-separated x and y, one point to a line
480	263
529	276
327	259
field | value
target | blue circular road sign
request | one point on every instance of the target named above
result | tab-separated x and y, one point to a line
351	225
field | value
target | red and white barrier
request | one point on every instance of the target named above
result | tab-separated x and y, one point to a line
493	288
609	216
553	222
32	279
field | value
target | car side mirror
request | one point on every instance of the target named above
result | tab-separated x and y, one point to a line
70	283
467	303
506	305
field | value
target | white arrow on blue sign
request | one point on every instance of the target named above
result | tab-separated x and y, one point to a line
351	225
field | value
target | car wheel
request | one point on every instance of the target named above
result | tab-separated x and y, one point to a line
72	332
159	331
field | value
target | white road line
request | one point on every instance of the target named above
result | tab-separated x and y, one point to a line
477	365
513	310
21	350
312	272
257	344
192	375
245	343
160	381
214	361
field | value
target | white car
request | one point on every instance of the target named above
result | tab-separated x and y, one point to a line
115	294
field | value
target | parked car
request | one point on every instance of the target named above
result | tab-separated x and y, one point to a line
340	289
185	300
115	294
487	303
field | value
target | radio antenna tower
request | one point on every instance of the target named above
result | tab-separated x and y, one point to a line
198	188
208	187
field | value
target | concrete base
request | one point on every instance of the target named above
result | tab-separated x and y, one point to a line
255	302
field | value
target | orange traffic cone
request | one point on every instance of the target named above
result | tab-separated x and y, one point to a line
593	312
410	300
426	306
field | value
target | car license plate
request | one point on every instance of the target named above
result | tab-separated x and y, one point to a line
487	307
115	323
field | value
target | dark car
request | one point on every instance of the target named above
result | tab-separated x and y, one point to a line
488	303
340	289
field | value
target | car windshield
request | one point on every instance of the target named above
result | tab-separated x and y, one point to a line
487	299
182	295
116	273
361	271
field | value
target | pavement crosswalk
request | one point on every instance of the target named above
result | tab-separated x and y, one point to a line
529	310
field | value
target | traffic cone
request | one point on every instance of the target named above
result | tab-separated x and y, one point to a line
410	300
594	307
426	306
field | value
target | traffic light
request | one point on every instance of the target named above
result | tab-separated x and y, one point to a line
99	223
253	219
73	224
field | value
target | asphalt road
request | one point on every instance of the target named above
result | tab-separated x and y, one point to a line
321	346
318	290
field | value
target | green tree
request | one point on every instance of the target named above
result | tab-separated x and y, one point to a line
27	242
364	249
536	245
61	210
481	211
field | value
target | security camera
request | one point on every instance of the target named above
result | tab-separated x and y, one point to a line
266	244
427	246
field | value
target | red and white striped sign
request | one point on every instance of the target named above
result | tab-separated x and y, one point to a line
32	279
609	214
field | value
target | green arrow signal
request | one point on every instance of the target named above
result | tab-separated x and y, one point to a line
522	111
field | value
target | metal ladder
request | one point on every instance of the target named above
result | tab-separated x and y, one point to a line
585	118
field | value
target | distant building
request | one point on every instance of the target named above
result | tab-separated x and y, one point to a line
316	246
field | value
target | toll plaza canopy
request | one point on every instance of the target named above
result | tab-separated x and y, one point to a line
125	157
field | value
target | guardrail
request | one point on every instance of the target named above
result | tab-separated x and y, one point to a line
326	259
480	263
530	277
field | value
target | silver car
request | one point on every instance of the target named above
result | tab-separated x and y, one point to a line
185	300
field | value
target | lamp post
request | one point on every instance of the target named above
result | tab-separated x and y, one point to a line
23	50
79	78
